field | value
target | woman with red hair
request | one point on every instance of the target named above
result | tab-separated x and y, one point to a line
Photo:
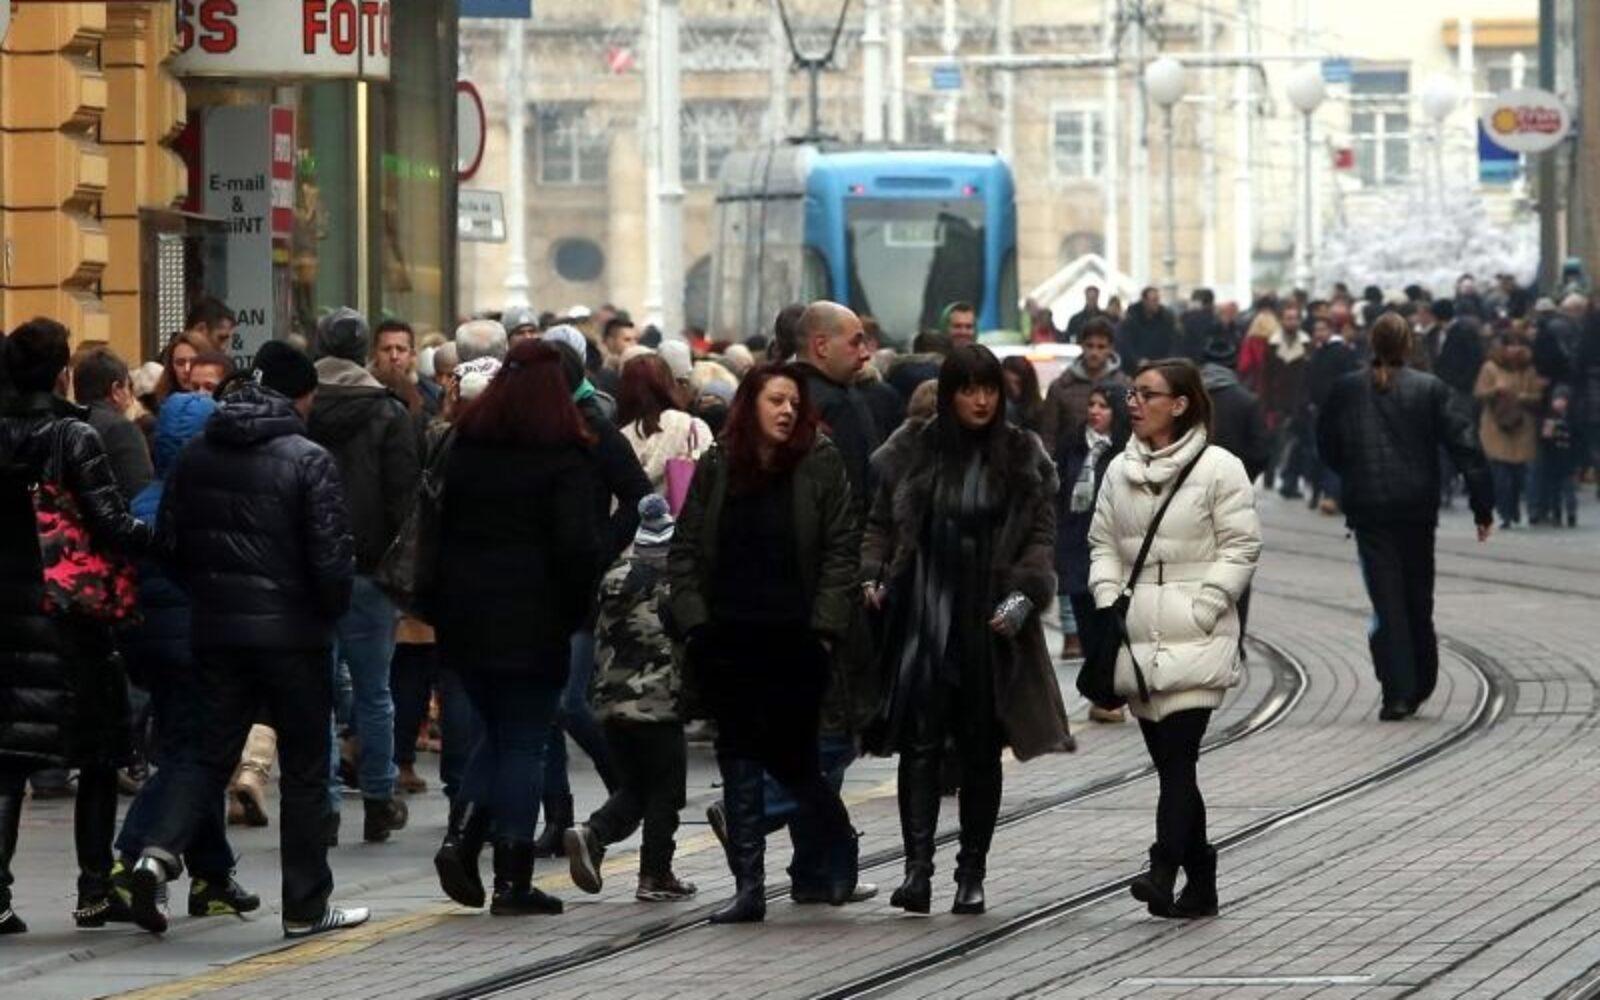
763	571
651	415
519	569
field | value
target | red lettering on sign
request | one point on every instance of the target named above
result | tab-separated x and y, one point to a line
219	33
346	32
314	22
185	25
369	24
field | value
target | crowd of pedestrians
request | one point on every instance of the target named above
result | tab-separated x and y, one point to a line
803	547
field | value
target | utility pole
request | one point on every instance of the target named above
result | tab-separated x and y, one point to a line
951	40
897	71
1549	199
1139	196
1111	170
516	280
1005	30
1585	217
872	75
1243	216
652	163
671	183
1466	58
1208	156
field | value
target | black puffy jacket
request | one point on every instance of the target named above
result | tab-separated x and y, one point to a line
63	692
253	522
374	440
1385	447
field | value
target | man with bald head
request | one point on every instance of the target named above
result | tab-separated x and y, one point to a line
832	347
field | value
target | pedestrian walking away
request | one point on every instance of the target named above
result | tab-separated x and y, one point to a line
959	553
1189	509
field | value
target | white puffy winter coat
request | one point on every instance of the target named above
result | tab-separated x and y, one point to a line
1182	621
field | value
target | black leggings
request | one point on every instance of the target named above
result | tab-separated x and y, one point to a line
1174	745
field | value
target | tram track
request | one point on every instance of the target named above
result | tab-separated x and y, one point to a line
1290	681
1496	697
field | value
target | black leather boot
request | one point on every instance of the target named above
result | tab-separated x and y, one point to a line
1199	895
919	821
744	801
845	869
456	861
980	808
1154	887
969	893
514	893
551	842
10	818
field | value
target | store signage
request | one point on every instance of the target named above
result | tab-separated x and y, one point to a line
284	39
497	8
1527	120
1336	71
246	150
472	129
480	216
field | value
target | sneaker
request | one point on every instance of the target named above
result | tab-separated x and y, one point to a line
147	896
1071	647
223	897
584	856
10	923
410	781
122	887
666	888
383	817
335	919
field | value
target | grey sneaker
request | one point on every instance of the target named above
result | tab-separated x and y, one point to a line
335	919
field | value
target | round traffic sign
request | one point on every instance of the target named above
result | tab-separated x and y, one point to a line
1529	120
472	128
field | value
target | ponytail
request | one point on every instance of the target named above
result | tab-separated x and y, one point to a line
1391	345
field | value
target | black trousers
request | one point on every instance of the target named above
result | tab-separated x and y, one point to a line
964	719
94	823
652	765
1397	566
295	688
413	672
1174	745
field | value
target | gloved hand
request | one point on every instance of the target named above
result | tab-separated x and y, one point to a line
1208	608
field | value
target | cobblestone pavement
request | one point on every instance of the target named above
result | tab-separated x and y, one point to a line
1468	875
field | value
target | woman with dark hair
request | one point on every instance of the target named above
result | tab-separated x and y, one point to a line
1182	618
1024	402
651	415
63	690
1083	463
177	363
960	551
763	570
1509	392
519	566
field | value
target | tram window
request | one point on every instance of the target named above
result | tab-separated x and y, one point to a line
909	258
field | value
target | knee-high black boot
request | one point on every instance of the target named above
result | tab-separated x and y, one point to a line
10	818
919	820
744	801
980	807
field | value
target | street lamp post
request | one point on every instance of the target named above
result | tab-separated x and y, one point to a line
1306	91
1164	82
1440	95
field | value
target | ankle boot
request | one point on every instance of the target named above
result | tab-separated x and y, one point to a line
1154	887
98	904
969	893
10	818
514	894
845	869
551	842
980	807
744	802
457	858
919	820
1199	895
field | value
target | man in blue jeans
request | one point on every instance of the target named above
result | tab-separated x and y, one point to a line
374	441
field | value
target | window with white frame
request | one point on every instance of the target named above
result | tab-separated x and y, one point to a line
1380	125
1077	143
708	132
571	148
1497	70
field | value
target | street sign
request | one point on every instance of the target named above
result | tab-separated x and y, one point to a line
947	76
521	9
1496	164
1529	120
472	129
1335	71
480	216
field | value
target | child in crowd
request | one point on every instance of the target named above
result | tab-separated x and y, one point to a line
1558	460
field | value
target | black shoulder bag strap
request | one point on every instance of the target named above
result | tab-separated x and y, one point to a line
1126	597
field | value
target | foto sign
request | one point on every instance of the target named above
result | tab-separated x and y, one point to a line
284	38
1527	121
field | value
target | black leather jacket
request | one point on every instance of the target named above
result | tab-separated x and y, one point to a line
253	521
1385	448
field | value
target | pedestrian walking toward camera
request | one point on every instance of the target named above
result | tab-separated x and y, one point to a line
1380	431
763	570
1174	570
959	553
638	699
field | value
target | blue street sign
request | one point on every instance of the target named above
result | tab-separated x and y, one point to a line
1335	71
947	76
497	8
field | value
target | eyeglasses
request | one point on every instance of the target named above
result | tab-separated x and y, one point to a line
1146	395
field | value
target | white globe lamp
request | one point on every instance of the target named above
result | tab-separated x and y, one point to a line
1440	96
1164	81
1306	89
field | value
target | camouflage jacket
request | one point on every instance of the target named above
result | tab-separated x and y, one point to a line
636	677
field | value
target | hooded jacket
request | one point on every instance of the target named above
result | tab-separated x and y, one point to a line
1237	423
374	441
254	526
1066	403
165	606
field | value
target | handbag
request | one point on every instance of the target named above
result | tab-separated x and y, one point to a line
680	473
78	580
1097	677
408	572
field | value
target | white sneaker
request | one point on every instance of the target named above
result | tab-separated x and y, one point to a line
335	919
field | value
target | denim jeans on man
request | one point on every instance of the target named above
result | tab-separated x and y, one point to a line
836	752
505	772
364	641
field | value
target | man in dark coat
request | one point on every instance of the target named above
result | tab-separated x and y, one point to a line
374	440
255	527
1148	332
1238	424
100	381
1199	325
1080	319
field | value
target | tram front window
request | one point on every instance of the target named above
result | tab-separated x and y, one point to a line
911	258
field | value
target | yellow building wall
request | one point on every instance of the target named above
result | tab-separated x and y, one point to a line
87	110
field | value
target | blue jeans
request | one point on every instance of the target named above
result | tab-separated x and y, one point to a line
576	719
1069	621
836	752
1510	482
364	641
505	771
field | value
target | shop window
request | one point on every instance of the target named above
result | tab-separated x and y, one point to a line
572	148
578	260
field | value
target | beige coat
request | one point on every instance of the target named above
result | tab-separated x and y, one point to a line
1183	621
681	436
1509	428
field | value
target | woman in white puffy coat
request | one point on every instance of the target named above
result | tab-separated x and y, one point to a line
1183	622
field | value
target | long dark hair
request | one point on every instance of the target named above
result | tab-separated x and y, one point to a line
1183	378
741	435
528	403
168	383
968	365
1028	407
647	389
